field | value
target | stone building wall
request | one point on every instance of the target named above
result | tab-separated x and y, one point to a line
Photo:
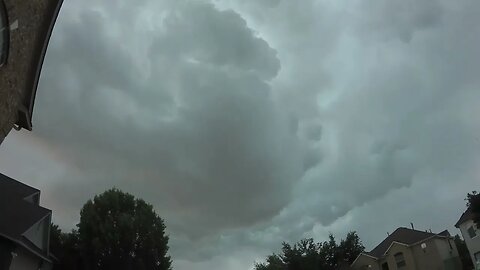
30	21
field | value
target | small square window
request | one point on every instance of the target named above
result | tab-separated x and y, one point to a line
4	33
477	257
400	260
472	232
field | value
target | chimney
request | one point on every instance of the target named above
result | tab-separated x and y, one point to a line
411	224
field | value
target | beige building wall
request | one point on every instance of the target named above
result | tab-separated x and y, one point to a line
428	257
438	254
363	262
407	254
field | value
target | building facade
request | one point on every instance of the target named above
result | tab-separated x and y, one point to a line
25	29
471	235
24	228
408	249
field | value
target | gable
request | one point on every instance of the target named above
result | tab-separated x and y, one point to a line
400	235
38	234
364	260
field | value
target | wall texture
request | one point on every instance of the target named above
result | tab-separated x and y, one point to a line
473	244
31	22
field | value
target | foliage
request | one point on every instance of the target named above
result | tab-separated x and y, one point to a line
473	201
116	231
308	255
65	247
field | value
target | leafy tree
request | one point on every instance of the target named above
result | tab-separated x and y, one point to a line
350	247
274	262
65	247
116	231
55	239
463	253
329	254
473	201
308	255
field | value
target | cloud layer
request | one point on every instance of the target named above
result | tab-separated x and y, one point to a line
247	123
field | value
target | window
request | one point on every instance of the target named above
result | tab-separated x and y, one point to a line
471	232
477	257
4	33
400	260
385	266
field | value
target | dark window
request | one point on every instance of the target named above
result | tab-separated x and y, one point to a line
385	266
449	243
400	260
4	33
471	232
477	257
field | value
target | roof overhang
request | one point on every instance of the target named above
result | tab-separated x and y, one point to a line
26	111
26	244
363	254
391	245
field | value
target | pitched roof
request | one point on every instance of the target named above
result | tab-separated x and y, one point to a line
467	215
12	188
404	236
17	214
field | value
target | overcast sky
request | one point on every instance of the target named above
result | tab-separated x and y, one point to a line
247	122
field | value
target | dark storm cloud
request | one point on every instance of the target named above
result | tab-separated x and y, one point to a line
199	136
249	123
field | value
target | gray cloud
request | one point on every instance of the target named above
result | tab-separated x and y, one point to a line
249	123
201	131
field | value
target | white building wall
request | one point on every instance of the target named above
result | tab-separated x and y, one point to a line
473	244
24	260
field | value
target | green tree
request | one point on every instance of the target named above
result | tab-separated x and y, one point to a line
308	255
65	247
117	231
329	254
473	201
350	248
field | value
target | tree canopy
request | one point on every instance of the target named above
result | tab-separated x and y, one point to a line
116	231
308	255
473	201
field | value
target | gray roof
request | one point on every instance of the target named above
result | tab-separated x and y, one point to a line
404	236
18	215
12	188
467	215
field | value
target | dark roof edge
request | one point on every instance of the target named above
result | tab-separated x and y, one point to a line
48	213
466	215
27	247
34	189
25	121
363	254
33	194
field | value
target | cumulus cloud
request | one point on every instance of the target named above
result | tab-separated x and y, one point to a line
249	123
191	124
